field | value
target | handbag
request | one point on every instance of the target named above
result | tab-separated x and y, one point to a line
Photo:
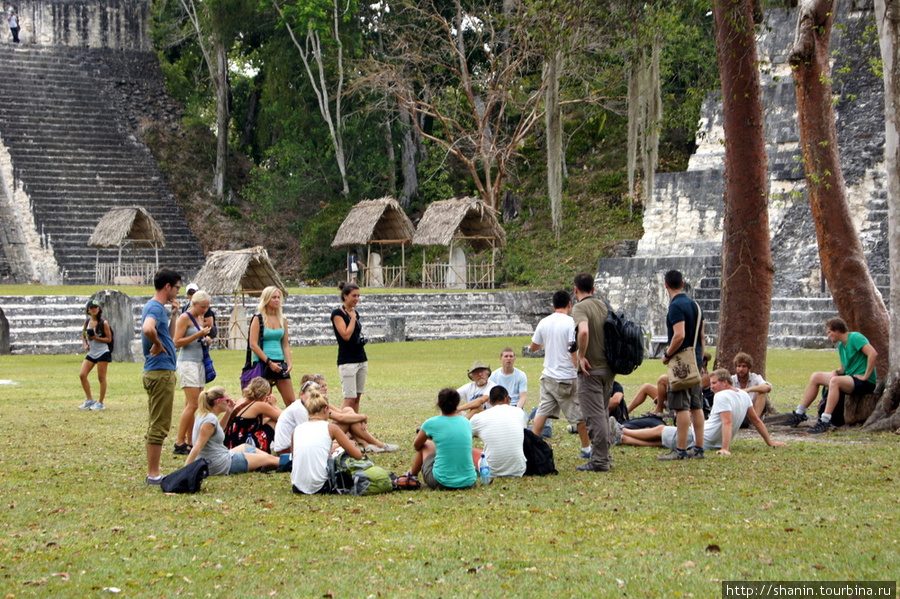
207	359
682	367
252	370
187	479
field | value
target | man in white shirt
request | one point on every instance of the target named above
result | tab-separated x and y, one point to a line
556	334
753	384
514	380
729	409
502	430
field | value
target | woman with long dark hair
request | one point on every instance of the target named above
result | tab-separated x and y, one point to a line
353	364
96	335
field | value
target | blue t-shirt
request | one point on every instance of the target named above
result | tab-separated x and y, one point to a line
514	383
452	436
853	360
684	309
165	360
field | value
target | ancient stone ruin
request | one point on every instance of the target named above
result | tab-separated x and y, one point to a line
72	97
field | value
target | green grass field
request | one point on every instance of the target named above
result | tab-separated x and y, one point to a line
78	519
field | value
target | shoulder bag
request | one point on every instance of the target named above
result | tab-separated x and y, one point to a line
252	370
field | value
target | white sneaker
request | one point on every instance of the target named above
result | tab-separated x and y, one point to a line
390	448
88	403
98	406
372	448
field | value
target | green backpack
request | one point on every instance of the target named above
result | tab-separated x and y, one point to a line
365	477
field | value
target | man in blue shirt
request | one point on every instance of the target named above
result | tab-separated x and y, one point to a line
856	376
157	326
514	380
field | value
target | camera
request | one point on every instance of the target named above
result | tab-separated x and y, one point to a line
284	367
90	332
573	347
362	340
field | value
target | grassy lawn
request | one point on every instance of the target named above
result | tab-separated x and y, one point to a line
78	519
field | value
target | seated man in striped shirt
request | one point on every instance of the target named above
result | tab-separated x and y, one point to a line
502	430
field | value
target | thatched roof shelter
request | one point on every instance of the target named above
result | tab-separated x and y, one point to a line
467	219
127	225
380	221
235	271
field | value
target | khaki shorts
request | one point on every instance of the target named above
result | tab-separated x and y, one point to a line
353	378
191	374
559	396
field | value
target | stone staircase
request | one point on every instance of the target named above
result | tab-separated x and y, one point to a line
71	154
52	324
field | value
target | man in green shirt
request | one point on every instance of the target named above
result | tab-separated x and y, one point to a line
595	378
856	376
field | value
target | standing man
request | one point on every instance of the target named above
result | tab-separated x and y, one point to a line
514	380
681	325
157	326
14	25
595	378
856	376
556	333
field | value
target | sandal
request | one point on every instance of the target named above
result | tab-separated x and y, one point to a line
407	482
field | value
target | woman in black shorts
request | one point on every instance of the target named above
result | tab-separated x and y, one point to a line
95	337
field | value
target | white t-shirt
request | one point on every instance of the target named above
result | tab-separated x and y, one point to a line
514	383
735	401
502	430
292	417
471	391
312	446
556	332
752	381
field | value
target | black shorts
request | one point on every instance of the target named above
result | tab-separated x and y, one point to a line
862	387
272	376
107	357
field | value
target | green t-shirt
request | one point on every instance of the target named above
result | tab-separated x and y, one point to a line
593	311
853	359
452	436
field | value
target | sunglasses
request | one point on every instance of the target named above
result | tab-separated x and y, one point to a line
226	399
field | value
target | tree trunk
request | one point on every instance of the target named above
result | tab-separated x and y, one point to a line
747	269
840	250
408	159
554	140
250	119
887	17
222	118
390	156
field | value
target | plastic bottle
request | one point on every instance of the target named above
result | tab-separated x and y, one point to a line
484	470
251	444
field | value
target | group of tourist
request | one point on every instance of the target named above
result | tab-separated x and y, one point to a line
576	383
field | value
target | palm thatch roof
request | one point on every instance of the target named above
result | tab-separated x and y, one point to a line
375	221
127	225
231	271
467	219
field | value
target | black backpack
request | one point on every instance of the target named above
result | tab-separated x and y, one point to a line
538	455
187	479
624	342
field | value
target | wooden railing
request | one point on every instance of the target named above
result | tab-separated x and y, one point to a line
477	276
128	273
394	276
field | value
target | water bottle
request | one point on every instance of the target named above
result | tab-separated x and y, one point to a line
484	470
251	444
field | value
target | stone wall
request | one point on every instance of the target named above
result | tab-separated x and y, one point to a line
118	24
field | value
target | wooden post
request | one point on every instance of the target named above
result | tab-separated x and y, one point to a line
403	264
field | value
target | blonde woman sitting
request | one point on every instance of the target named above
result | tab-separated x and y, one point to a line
209	438
312	446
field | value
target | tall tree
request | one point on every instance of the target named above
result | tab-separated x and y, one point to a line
215	23
320	24
747	269
887	18
840	250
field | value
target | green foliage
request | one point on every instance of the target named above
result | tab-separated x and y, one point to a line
318	256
